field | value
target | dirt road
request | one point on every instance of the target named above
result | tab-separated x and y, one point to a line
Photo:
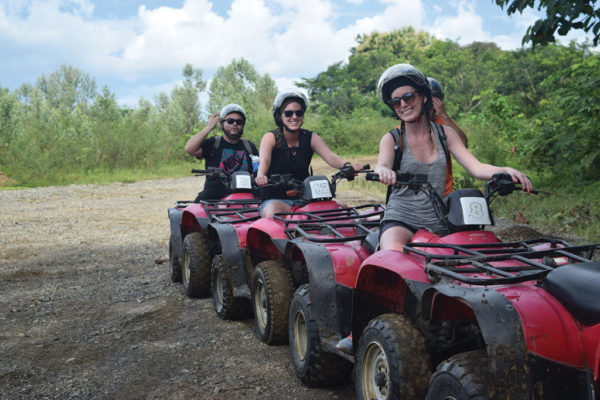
86	312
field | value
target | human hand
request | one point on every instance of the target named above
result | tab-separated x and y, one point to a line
261	180
213	120
386	176
358	166
519	177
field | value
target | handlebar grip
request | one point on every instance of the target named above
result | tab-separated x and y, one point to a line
372	176
199	171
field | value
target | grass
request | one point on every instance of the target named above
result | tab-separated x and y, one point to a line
105	177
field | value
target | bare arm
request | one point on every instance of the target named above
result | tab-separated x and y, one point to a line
385	160
478	169
267	144
193	146
440	110
335	161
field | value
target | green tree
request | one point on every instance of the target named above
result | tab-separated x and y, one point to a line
561	17
67	87
568	142
239	83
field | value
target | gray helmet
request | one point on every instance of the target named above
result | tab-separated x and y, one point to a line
436	88
230	108
402	75
282	97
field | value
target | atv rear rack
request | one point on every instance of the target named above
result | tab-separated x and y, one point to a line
323	222
232	211
502	263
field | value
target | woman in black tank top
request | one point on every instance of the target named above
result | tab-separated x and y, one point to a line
289	150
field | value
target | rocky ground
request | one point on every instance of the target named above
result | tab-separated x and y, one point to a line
87	308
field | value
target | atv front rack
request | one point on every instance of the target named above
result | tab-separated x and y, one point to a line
325	226
501	263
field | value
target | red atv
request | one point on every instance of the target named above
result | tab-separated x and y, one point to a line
499	320
189	249
256	264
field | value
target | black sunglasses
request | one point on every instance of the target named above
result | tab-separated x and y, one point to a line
230	121
289	113
408	98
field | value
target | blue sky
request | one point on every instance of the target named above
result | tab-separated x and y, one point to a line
138	48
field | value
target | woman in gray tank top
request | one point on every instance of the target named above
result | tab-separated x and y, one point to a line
406	91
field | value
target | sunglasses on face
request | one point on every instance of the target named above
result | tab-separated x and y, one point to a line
408	98
289	113
230	121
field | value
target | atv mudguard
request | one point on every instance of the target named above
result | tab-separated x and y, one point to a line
233	255
176	240
332	302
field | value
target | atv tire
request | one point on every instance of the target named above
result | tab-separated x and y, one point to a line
463	376
196	265
272	290
313	366
392	361
174	265
227	306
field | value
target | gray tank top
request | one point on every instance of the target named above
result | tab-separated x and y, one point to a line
416	209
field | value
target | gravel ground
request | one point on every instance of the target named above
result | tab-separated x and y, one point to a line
87	308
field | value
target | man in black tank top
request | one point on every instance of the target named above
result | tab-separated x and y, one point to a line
289	150
229	152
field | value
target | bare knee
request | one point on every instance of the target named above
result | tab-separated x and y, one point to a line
394	238
273	208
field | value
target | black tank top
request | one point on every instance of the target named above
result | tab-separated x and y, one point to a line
284	161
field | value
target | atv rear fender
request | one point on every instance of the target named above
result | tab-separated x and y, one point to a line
266	239
194	219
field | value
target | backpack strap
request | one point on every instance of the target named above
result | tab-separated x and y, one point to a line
442	135
398	149
248	147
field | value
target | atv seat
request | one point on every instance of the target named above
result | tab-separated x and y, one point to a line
576	287
371	242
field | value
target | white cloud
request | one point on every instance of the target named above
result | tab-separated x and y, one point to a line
285	38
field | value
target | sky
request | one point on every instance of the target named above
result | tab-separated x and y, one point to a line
138	48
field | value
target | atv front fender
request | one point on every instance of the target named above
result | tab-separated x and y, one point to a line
331	302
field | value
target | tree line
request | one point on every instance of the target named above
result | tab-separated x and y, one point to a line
537	109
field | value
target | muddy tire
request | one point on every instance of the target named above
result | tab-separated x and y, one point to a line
227	306
313	366
272	290
392	361
196	265
463	376
174	265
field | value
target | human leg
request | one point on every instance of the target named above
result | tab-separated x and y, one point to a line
394	238
271	207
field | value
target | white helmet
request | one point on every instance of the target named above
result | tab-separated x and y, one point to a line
230	108
401	75
288	94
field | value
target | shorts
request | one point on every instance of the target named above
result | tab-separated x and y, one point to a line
289	202
390	223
